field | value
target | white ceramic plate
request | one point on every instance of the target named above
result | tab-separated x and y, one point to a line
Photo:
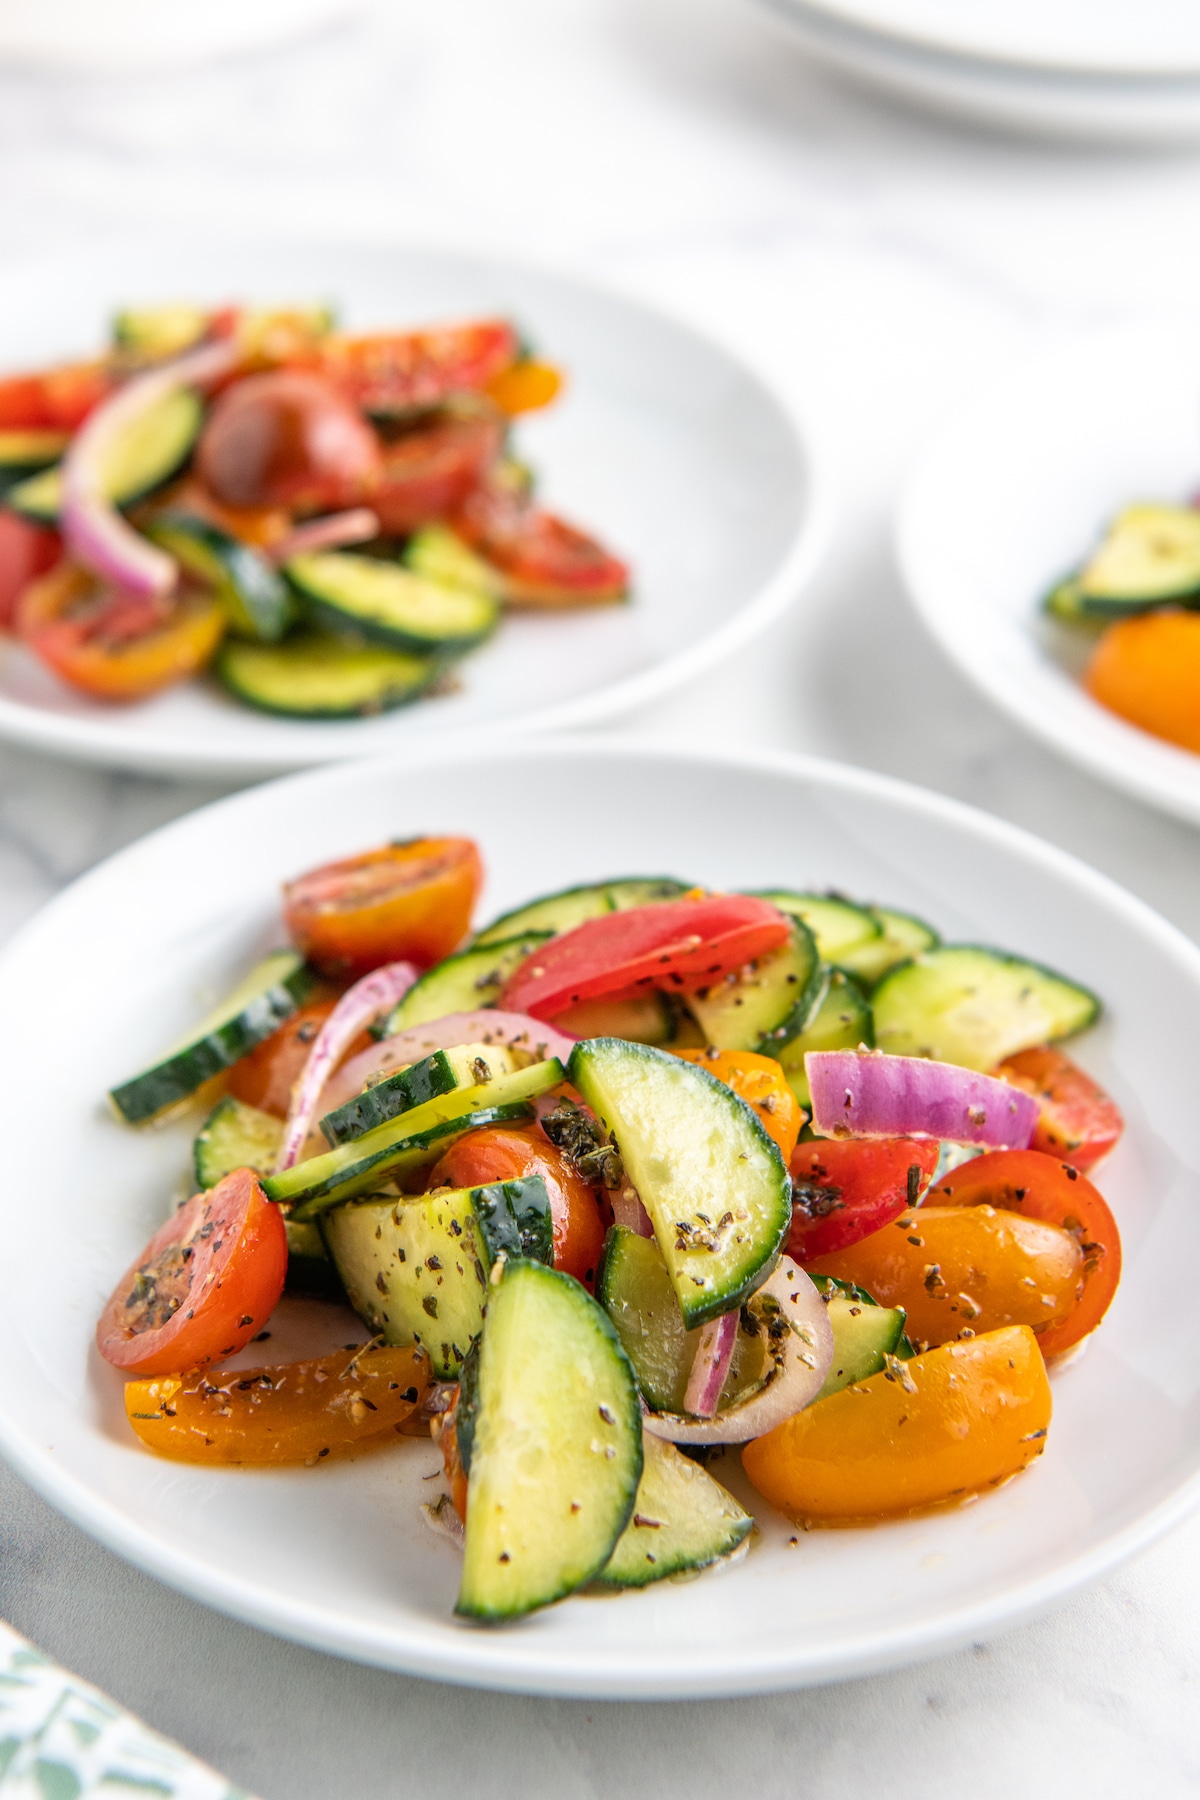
125	35
672	451
1103	104
1010	497
337	1556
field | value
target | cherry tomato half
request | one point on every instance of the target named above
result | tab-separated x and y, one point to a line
542	560
53	399
680	944
1078	1121
403	901
430	470
525	387
26	551
1041	1187
117	646
499	1155
407	371
843	1189
762	1084
287	438
456	1475
206	1282
946	1424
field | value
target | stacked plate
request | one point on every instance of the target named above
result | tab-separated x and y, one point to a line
1124	69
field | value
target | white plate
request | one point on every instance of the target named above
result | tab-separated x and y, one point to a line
1010	497
337	1556
664	444
126	35
1048	102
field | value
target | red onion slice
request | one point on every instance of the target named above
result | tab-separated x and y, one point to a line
864	1093
798	1362
95	532
516	1031
629	1212
358	1006
714	1354
335	532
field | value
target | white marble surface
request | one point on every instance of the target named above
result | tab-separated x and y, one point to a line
876	265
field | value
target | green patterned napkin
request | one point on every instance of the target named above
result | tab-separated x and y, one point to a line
61	1739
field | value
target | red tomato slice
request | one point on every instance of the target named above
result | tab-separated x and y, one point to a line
403	901
499	1155
53	399
1042	1187
542	560
287	438
405	371
117	646
681	944
203	1286
26	551
1079	1122
429	471
843	1189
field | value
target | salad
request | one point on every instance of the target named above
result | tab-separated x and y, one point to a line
634	1175
1138	596
329	522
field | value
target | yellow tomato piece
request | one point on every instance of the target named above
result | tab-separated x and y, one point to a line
297	1412
762	1084
525	386
951	1422
972	1267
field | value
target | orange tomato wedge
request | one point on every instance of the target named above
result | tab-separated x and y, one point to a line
525	387
1147	669
117	646
959	1419
762	1084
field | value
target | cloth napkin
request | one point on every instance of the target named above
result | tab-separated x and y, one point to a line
62	1739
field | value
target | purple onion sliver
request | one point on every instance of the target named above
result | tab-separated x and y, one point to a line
629	1212
714	1353
334	532
868	1094
376	993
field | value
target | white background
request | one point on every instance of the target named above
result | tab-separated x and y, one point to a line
877	266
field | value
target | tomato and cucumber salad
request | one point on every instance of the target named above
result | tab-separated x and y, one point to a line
325	521
635	1169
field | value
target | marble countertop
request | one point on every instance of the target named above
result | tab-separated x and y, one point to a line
876	265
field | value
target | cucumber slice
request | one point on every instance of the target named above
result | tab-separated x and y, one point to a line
712	1181
254	594
310	1271
637	1293
682	1519
643	1019
555	913
312	676
24	453
153	447
416	1271
865	1334
842	1021
838	925
158	332
462	983
966	1004
440	1073
556	1447
1065	603
390	605
235	1136
768	1003
438	554
904	937
258	1006
413	1140
1149	554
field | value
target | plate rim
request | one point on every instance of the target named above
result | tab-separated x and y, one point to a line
99	739
465	1659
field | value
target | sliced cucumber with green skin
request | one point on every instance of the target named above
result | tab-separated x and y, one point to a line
462	983
157	332
315	676
310	1270
637	1293
1150	554
235	1136
270	994
404	1143
25	453
682	1519
712	1181
416	1271
254	594
842	1021
438	554
904	937
556	913
440	1073
1065	603
556	1447
838	925
963	1003
643	1019
153	446
865	1334
388	604
767	1003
